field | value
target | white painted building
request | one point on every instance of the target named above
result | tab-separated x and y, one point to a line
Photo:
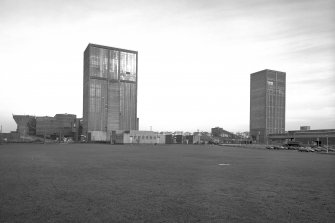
139	137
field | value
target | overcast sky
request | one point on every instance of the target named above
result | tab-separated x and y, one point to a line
195	58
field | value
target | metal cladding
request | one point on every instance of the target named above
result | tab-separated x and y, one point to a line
46	126
26	124
179	139
61	124
110	89
220	132
267	104
319	137
169	139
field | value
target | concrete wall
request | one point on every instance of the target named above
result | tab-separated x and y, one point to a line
98	136
257	105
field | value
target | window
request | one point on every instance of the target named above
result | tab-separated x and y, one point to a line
127	66
91	88
99	62
113	64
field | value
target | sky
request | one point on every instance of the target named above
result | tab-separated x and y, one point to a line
194	58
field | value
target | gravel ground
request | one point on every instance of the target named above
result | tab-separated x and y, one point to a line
165	183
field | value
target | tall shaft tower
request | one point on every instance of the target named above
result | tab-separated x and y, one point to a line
110	89
267	104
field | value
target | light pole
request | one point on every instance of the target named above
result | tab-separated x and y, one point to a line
1	134
327	142
102	110
259	134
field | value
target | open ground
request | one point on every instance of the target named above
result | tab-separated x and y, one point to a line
164	183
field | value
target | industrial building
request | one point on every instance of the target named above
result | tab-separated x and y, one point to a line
219	135
150	137
220	132
26	124
61	125
137	137
267	104
110	91
321	137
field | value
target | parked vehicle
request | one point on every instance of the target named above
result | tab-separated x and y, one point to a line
279	147
305	149
293	147
319	149
310	149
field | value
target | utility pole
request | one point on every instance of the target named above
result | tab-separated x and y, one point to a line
1	135
102	111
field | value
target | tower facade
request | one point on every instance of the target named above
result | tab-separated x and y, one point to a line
110	90
267	104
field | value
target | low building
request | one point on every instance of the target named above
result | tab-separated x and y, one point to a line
196	139
169	139
179	139
307	137
192	139
220	132
98	136
10	137
149	137
219	135
137	137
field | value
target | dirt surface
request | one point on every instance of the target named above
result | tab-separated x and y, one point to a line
166	183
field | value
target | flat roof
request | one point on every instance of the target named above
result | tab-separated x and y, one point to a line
268	70
109	48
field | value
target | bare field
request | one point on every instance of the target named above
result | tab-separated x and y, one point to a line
165	183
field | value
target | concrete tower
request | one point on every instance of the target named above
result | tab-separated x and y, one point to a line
267	104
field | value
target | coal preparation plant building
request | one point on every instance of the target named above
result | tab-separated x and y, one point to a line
61	125
110	91
26	124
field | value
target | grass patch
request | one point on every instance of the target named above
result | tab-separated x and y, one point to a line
164	183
